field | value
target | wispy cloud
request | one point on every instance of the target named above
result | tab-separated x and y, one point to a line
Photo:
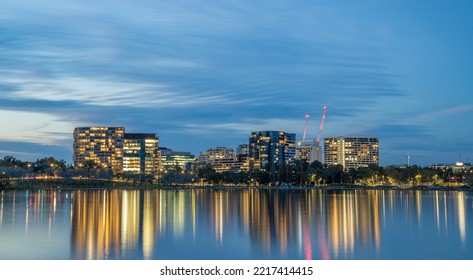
246	126
437	114
41	128
105	92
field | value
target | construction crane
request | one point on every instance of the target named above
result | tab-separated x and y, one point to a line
322	124
307	116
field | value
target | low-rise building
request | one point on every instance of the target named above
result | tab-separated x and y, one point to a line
309	151
175	161
220	158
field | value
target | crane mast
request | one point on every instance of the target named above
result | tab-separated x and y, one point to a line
322	124
307	116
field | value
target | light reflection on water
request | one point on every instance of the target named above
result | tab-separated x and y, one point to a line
235	224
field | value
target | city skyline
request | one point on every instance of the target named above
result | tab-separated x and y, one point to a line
203	75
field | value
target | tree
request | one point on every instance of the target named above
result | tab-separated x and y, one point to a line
11	161
302	172
332	174
209	175
90	164
428	176
469	179
4	180
177	178
260	177
315	172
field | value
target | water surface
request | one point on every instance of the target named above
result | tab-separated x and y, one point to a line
236	224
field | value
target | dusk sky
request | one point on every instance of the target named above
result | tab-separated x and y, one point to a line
203	74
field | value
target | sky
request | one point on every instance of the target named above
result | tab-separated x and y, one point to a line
203	74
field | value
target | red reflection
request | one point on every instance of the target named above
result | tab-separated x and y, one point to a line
307	242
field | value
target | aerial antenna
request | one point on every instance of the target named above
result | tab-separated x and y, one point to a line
322	124
307	116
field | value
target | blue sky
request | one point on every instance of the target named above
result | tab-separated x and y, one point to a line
203	74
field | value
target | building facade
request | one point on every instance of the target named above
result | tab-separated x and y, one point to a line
456	168
242	157
102	146
220	158
309	151
140	153
270	150
243	149
351	152
175	161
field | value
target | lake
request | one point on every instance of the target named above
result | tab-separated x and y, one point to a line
239	224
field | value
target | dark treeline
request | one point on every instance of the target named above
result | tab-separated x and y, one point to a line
46	170
300	173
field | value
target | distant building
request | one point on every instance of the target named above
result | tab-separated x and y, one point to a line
101	145
456	168
270	150
243	149
140	153
351	152
175	161
221	158
309	151
242	158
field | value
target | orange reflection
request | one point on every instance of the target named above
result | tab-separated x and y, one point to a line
320	224
106	224
301	223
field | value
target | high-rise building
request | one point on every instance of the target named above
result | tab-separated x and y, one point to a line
309	151
101	145
140	153
351	152
270	150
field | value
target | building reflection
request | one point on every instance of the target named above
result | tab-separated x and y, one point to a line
288	224
33	208
352	218
298	224
461	214
151	219
107	224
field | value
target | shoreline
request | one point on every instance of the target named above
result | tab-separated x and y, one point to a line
124	186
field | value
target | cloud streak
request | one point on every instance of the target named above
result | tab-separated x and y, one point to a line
103	92
437	114
37	128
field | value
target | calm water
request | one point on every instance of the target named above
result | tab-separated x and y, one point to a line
235	224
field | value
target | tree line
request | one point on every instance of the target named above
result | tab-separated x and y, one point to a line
299	173
44	170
